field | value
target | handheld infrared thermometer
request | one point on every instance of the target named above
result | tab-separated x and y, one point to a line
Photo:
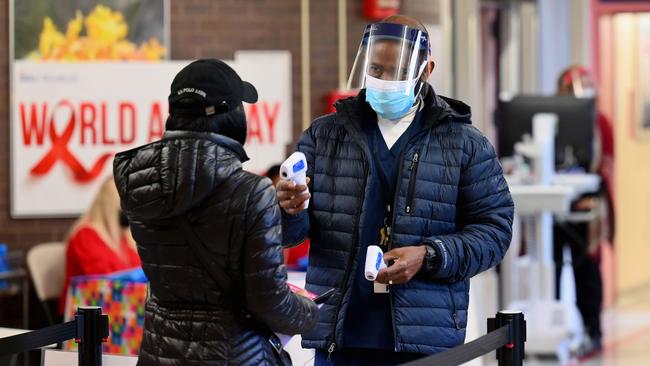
295	169
374	262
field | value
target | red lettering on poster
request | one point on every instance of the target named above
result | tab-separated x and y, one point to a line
34	127
271	117
127	115
254	126
106	140
88	121
59	150
155	123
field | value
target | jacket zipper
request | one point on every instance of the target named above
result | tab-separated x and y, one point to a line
330	350
392	225
332	339
390	241
397	184
411	191
332	345
454	314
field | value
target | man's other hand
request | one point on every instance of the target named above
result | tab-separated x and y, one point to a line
407	262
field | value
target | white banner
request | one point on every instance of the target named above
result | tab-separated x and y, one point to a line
69	119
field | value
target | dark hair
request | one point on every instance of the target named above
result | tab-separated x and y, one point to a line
274	171
230	124
566	77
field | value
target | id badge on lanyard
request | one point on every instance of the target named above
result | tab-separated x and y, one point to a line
384	242
385	231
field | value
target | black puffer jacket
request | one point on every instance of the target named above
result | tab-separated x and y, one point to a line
188	320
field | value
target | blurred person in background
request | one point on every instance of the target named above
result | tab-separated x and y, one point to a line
273	173
198	217
585	239
100	241
400	167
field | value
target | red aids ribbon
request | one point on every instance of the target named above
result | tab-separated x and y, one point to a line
59	151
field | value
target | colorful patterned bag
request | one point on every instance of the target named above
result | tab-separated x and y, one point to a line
121	299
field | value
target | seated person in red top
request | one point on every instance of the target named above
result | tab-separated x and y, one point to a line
99	242
295	258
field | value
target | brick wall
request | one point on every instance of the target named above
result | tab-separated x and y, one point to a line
205	28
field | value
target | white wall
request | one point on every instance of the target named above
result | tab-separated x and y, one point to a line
554	42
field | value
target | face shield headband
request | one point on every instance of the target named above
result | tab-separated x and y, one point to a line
390	52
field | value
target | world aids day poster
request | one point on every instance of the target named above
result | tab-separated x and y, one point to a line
91	79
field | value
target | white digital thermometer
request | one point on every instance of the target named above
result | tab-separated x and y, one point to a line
295	169
374	262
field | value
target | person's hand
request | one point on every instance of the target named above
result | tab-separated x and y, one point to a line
407	262
304	293
292	197
585	204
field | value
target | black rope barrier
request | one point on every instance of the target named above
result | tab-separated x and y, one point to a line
506	335
89	329
468	351
37	339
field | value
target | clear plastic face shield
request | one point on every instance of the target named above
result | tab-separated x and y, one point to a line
389	65
578	82
390	52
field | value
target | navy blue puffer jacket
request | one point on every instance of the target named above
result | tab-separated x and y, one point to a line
450	194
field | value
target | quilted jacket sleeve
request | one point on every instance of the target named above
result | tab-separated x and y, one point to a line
295	228
485	211
268	296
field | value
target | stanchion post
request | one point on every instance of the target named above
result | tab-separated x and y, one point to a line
512	354
92	330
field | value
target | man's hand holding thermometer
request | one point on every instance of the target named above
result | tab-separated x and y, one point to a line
374	264
405	263
292	190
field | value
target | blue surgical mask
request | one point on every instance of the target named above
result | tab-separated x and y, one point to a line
391	99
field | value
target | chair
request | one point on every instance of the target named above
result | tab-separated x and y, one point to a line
46	264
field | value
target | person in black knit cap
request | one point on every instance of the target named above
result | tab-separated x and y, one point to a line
195	214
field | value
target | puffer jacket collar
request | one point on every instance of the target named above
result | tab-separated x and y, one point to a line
358	110
153	179
220	140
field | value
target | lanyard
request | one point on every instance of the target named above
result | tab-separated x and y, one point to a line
389	189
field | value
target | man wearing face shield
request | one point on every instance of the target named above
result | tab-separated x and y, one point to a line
400	167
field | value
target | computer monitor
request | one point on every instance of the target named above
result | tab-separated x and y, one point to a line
575	128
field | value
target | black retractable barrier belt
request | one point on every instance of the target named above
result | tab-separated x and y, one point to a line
38	338
467	352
